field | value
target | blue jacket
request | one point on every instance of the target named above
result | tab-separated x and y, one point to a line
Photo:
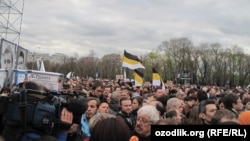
85	125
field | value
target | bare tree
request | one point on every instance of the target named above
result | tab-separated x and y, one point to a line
110	66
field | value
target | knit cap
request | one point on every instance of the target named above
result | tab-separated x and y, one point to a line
244	118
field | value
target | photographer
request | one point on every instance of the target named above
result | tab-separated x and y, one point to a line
75	132
66	118
34	114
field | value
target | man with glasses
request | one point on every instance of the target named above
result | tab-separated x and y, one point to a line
146	116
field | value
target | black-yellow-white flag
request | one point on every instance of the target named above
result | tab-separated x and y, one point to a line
156	78
138	76
131	61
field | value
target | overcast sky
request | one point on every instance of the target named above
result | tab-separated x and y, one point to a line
74	27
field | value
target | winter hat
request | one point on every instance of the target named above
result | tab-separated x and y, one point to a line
244	118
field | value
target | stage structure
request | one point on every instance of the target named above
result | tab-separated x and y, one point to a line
11	12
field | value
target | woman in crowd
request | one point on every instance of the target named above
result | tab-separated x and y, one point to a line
136	104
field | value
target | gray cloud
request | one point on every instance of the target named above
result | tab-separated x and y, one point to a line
139	26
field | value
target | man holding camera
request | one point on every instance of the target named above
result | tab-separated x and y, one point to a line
66	118
35	114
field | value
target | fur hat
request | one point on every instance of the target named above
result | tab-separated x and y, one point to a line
244	118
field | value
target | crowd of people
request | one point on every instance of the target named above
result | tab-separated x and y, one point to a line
119	110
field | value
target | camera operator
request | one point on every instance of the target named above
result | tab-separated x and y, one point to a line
41	120
66	118
75	132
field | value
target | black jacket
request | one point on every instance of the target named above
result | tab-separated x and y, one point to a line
128	118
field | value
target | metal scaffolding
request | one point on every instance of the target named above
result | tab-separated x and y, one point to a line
11	12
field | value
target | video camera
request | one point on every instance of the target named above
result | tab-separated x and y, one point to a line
41	110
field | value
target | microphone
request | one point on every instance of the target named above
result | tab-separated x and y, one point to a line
134	138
